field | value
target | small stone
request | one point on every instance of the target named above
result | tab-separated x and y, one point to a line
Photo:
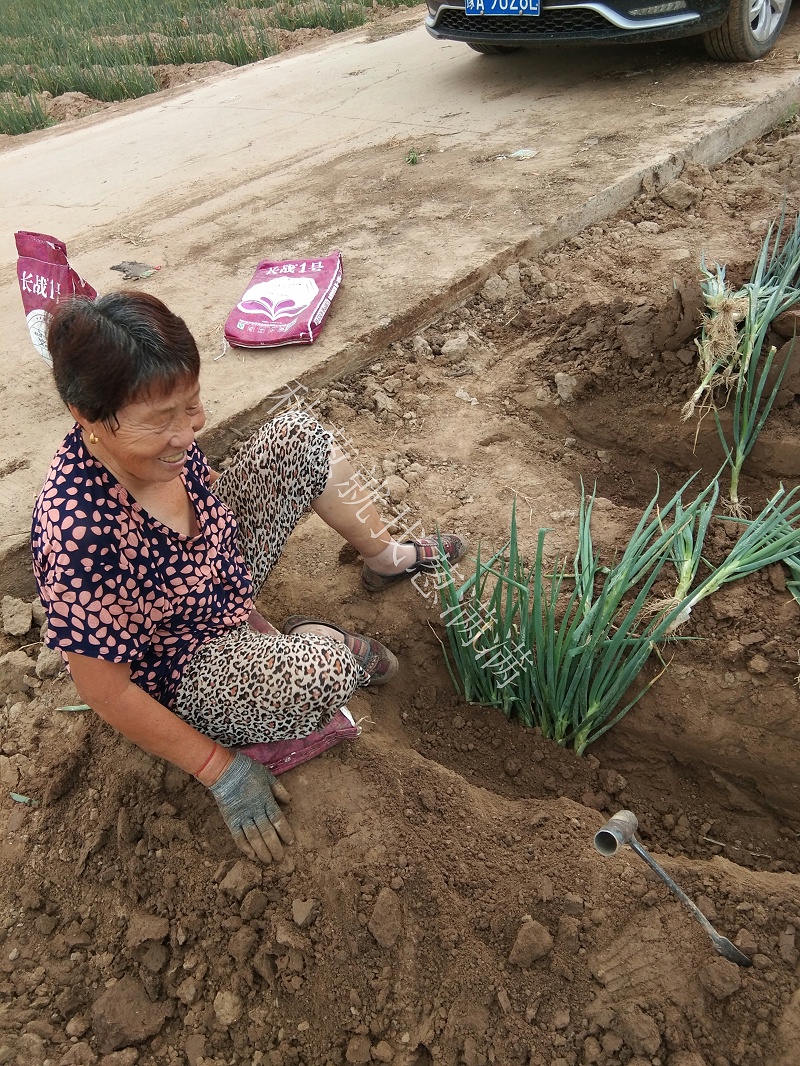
124	1015
38	612
49	663
304	911
187	991
720	978
155	958
16	669
612	782
194	1048
396	486
456	347
758	665
77	1026
777	575
550	290
512	766
568	935
592	1052
241	878
639	1031
358	1049
253	905
495	290
228	1008
566	384
242	944
421	348
746	942
573	904
386	923
381	402
144	927
383	1051
17	616
679	196
128	1056
707	908
79	1054
561	1018
504	1001
533	943
787	945
748	639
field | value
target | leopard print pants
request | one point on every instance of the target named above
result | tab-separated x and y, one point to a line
247	687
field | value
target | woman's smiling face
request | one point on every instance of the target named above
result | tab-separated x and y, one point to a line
149	445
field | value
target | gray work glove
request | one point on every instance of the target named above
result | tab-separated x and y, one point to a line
246	794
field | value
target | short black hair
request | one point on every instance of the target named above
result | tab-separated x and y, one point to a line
110	351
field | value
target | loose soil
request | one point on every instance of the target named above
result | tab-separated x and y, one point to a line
444	903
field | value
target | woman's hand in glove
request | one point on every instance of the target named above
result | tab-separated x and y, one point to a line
246	793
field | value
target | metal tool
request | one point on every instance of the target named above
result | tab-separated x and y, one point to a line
620	830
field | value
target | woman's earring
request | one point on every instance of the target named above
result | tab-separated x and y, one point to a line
92	438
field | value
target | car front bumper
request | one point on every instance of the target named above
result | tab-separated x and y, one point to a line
562	20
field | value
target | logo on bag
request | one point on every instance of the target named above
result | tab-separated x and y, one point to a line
38	321
279	298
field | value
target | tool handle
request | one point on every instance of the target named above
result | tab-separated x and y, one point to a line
681	895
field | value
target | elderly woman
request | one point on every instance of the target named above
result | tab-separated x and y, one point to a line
147	561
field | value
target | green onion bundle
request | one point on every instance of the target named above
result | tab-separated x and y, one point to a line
772	536
732	343
489	631
686	550
562	661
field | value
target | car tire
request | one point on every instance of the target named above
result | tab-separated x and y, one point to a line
749	32
487	49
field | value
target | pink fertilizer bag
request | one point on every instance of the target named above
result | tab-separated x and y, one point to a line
285	303
45	278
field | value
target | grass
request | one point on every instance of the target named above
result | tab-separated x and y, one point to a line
22	115
107	48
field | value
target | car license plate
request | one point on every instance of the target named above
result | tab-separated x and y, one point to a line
502	7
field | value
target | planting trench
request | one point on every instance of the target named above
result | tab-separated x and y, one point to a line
444	903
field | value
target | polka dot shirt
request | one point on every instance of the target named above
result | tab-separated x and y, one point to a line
118	585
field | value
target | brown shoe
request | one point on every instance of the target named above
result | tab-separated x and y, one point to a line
372	656
428	559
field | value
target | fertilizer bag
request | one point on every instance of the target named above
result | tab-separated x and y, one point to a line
285	303
45	278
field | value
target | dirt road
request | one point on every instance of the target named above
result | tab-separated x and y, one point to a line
306	152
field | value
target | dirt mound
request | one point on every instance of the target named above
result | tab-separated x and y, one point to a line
70	105
168	75
444	903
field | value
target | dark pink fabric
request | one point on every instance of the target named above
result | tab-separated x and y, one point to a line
283	755
285	302
45	278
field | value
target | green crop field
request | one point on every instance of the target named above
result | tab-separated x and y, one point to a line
107	48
